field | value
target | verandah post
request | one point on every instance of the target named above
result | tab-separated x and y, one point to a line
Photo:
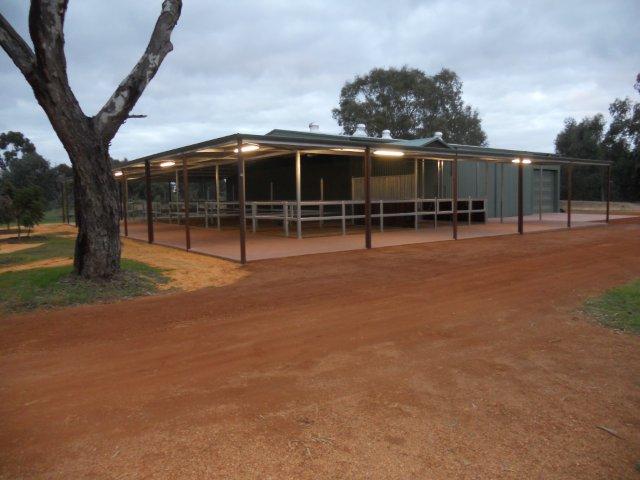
177	195
185	183
520	197
569	194
415	190
125	200
298	195
454	200
501	192
147	184
540	195
367	197
321	202
608	191
218	196
242	200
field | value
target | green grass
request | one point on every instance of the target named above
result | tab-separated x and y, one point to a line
618	308
53	246
55	216
52	216
57	287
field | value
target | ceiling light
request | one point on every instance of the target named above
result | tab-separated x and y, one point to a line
515	160
383	152
526	161
117	173
167	164
247	148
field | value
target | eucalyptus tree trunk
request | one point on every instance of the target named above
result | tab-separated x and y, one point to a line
97	250
86	139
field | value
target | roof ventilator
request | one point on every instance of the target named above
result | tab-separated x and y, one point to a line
361	131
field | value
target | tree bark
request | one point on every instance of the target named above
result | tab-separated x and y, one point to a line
97	249
86	140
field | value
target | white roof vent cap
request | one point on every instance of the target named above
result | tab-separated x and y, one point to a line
386	134
361	130
438	135
314	127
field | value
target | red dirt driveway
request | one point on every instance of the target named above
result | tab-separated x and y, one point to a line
465	359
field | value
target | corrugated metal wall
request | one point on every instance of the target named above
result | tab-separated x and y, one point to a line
388	187
342	177
488	180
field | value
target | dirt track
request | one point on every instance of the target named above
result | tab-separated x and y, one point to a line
444	360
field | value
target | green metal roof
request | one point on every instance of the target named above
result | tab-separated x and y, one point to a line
289	140
424	142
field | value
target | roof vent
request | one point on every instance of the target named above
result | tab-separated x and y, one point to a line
360	131
386	134
314	127
438	135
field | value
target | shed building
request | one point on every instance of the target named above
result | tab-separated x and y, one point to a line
288	185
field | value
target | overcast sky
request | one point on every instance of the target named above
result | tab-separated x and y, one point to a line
253	66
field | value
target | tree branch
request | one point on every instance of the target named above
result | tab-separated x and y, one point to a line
46	26
17	49
117	108
50	81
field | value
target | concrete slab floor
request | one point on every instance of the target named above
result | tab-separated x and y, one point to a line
270	242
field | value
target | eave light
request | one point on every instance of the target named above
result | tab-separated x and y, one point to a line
524	161
117	173
167	164
515	160
354	150
247	148
385	152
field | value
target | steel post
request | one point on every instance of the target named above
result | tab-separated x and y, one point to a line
502	193
608	191
569	193
367	197
298	195
185	183
540	195
454	199
125	200
520	198
218	196
242	200
147	184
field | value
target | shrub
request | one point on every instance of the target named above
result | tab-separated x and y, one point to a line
7	215
28	205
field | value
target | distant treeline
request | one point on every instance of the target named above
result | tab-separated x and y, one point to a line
619	141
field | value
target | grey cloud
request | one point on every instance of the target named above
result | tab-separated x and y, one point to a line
253	66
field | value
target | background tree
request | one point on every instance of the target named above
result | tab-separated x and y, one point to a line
7	214
33	170
28	207
583	140
622	142
86	139
619	142
411	104
14	145
7	191
23	166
